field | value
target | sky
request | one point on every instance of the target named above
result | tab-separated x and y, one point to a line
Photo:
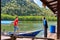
39	3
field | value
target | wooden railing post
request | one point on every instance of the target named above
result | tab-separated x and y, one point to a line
58	20
13	37
32	38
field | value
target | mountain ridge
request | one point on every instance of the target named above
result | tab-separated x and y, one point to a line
22	8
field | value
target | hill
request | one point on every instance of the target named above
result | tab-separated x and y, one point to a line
23	8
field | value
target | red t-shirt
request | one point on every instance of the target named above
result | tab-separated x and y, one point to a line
15	22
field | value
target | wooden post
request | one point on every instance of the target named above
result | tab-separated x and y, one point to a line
32	38
13	37
58	26
58	21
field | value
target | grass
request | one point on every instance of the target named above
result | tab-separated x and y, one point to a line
28	18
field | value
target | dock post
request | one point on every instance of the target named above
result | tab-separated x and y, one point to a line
13	37
58	21
32	38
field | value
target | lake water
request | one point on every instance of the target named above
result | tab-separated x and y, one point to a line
27	26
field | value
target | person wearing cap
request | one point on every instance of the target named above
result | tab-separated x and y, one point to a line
45	26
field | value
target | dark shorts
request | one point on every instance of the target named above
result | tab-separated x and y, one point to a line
15	28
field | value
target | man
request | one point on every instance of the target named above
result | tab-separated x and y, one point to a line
45	27
16	24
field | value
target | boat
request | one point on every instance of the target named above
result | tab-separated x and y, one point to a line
25	34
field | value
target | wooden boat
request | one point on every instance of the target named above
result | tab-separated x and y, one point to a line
28	34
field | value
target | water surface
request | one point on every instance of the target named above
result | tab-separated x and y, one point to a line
27	26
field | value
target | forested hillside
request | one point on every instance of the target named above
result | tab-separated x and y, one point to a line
22	8
26	10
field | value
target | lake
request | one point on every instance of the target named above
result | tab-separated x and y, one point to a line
27	26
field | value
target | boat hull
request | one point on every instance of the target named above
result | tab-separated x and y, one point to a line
30	34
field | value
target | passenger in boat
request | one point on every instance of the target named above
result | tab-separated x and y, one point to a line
16	24
45	26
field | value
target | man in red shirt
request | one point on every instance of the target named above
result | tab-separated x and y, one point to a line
16	24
